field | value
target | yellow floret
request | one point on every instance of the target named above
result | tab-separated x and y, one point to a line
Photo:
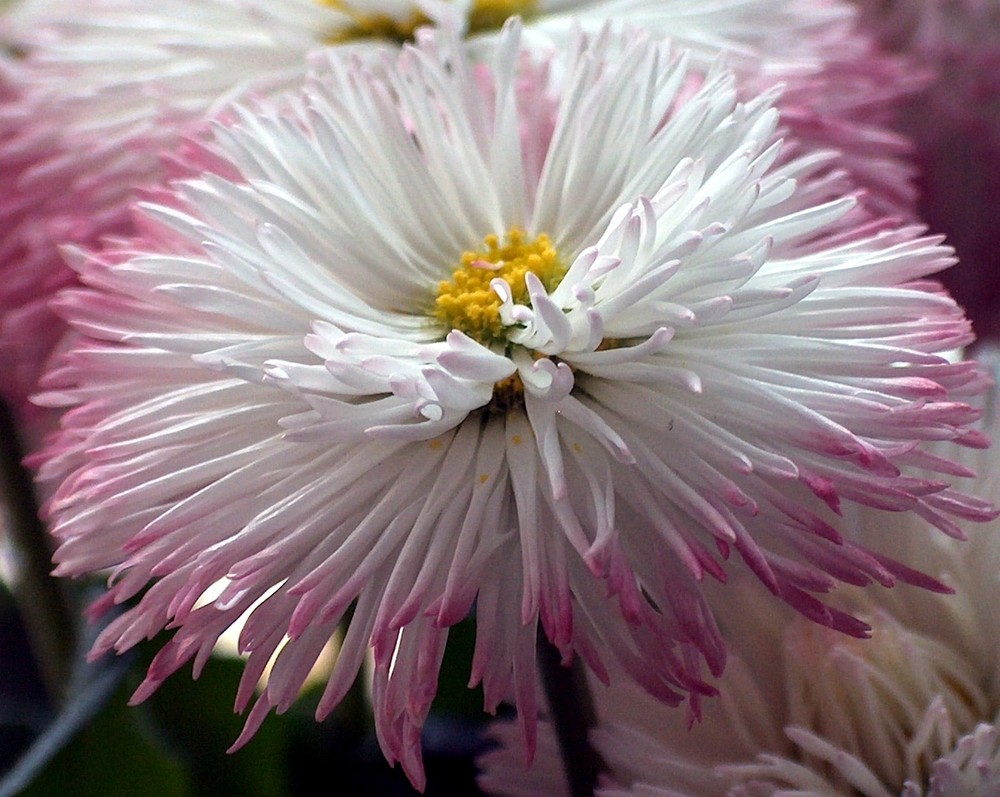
468	303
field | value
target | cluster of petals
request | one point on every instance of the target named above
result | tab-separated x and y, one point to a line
265	423
957	37
853	104
914	710
954	122
106	89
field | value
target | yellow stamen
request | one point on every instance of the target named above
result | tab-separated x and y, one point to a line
373	26
484	15
491	14
468	303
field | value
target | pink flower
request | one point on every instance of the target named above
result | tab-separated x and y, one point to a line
87	110
955	123
557	348
851	105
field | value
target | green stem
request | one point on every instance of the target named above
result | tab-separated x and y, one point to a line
571	710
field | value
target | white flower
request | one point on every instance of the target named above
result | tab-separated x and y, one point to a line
971	770
448	335
114	82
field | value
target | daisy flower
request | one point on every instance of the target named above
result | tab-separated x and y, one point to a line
88	108
955	124
106	87
912	711
554	348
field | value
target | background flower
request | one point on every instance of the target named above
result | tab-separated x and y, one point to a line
95	98
955	124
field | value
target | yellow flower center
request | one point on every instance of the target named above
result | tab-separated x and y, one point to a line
491	14
468	303
483	15
373	25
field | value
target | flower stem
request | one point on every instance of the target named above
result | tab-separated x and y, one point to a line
41	600
571	709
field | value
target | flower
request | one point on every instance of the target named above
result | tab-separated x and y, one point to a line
556	348
955	125
108	86
913	710
972	769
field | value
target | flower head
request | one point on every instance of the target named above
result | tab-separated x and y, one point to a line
557	348
96	96
902	713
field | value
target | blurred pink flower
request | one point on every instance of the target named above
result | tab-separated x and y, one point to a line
554	347
100	90
107	86
955	124
852	105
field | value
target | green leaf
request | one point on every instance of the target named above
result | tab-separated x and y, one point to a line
196	721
